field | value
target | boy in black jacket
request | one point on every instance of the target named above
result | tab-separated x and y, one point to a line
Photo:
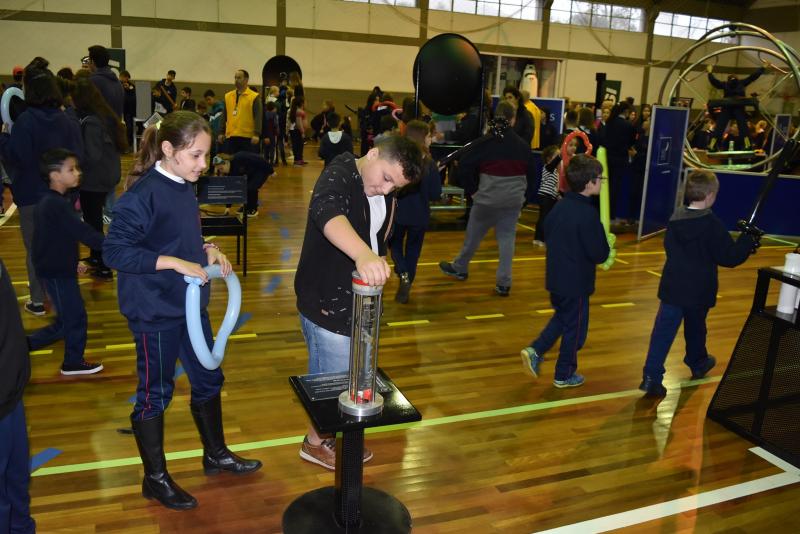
55	258
15	371
576	244
696	242
349	219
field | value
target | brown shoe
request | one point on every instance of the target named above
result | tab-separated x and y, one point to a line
324	454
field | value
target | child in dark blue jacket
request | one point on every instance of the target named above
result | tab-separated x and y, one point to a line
696	242
58	229
576	244
153	241
414	213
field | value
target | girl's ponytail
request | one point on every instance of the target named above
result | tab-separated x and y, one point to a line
149	153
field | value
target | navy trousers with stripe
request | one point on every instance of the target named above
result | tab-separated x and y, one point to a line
571	323
15	469
156	356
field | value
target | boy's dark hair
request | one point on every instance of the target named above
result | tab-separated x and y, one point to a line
549	151
171	72
125	73
187	90
269	106
333	119
387	123
581	170
41	87
99	56
52	160
699	184
209	92
571	117
404	151
512	90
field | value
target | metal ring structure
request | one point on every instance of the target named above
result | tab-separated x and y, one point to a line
682	66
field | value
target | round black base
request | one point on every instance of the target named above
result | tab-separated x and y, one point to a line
313	513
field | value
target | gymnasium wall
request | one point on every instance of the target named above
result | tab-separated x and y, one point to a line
344	48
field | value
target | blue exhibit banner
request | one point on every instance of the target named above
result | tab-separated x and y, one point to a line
780	133
663	169
555	111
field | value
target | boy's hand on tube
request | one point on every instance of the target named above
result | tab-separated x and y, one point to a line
373	269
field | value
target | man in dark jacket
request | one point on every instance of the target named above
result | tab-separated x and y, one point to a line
15	371
105	80
696	242
733	91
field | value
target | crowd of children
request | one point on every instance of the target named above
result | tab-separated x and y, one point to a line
360	209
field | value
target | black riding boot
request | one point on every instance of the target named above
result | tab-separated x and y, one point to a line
216	455
157	483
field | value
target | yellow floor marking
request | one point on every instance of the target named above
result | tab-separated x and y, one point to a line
546	311
243	336
526	227
121	346
408	323
41	352
618	305
487	316
623	262
20	283
654	273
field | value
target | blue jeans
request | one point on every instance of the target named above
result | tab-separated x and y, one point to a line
328	352
571	323
70	324
15	474
156	356
665	328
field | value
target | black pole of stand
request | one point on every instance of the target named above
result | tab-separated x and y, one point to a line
348	486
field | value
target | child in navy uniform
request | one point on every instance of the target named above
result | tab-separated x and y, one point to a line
576	244
696	242
58	229
153	241
15	371
414	213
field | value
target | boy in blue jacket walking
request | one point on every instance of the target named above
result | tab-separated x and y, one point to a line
696	242
576	244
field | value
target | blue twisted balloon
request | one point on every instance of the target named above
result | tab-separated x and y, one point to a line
211	359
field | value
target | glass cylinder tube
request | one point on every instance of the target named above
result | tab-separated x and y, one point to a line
361	397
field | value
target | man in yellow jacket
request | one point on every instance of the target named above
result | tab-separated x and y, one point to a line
240	125
537	117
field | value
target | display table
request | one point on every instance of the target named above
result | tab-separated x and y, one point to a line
348	506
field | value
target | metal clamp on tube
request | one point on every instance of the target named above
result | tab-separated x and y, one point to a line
361	398
213	358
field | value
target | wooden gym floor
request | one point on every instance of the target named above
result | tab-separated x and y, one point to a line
496	451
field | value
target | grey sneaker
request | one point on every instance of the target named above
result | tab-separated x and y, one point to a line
572	382
36	308
448	269
531	361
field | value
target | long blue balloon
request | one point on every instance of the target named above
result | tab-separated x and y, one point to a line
211	359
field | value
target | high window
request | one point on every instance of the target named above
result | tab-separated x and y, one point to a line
685	26
597	15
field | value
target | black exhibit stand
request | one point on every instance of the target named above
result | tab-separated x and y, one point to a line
759	394
348	506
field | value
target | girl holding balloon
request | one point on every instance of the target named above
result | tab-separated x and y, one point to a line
153	241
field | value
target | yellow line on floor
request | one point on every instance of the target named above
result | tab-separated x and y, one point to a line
487	316
7	217
41	352
20	283
23	297
618	305
243	336
121	346
526	227
546	311
623	262
408	323
654	273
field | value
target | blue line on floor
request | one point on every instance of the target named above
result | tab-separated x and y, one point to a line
275	216
38	460
286	254
274	282
243	318
285	233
